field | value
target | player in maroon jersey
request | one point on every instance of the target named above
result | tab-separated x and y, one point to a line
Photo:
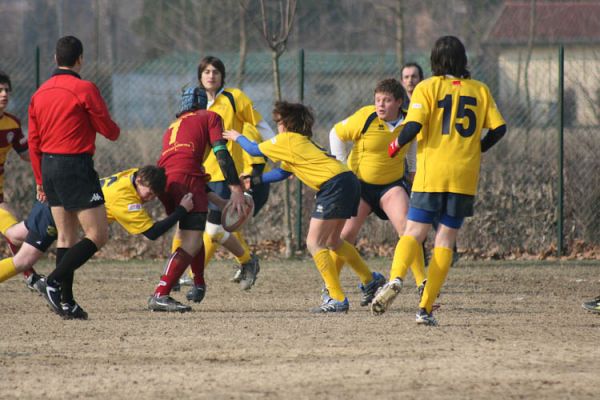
185	145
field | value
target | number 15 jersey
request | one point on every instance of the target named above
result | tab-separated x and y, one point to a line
452	112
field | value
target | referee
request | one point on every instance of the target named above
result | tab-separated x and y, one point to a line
64	115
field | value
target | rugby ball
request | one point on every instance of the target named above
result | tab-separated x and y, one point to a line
231	219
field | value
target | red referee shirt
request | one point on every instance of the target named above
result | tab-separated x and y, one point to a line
64	115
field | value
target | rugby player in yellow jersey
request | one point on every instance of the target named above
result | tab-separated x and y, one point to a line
338	193
11	137
449	112
124	194
236	110
384	189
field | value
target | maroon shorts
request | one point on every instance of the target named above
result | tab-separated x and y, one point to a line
178	185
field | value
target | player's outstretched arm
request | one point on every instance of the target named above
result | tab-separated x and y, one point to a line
408	133
249	146
161	227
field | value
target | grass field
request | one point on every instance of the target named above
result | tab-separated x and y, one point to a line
507	331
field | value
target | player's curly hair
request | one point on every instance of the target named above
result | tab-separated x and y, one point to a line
4	78
215	62
154	177
449	57
391	86
296	117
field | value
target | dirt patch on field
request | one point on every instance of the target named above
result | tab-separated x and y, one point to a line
506	331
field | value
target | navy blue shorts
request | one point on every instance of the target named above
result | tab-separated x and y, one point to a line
42	229
338	198
452	204
70	181
372	194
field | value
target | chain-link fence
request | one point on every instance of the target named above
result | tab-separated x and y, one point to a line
516	210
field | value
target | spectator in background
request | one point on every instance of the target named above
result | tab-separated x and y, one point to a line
64	115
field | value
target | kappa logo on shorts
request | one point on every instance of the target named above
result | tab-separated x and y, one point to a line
96	197
319	208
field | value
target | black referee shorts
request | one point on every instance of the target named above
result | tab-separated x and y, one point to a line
70	181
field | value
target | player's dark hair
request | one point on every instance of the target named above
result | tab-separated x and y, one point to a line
391	86
154	177
296	117
417	66
215	62
449	57
4	78
68	51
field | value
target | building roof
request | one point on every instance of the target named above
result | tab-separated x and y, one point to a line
564	22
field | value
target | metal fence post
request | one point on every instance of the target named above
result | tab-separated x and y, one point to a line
561	110
299	184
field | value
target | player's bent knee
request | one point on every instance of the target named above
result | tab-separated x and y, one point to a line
216	233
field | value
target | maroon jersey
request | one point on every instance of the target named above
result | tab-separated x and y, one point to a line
186	142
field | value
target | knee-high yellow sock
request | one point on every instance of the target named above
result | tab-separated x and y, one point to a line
441	258
326	268
418	267
406	251
350	255
338	261
7	269
209	248
6	220
244	258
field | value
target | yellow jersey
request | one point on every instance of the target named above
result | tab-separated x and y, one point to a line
235	108
452	112
371	136
123	204
299	155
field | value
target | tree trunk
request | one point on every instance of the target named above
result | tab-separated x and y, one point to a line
241	74
399	34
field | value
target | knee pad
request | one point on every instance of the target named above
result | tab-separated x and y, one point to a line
217	233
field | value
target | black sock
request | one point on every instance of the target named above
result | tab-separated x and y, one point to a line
67	284
72	259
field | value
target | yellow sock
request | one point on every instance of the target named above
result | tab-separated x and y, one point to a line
327	270
244	258
7	269
6	220
175	244
441	258
209	248
406	250
240	237
338	261
349	254
418	267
